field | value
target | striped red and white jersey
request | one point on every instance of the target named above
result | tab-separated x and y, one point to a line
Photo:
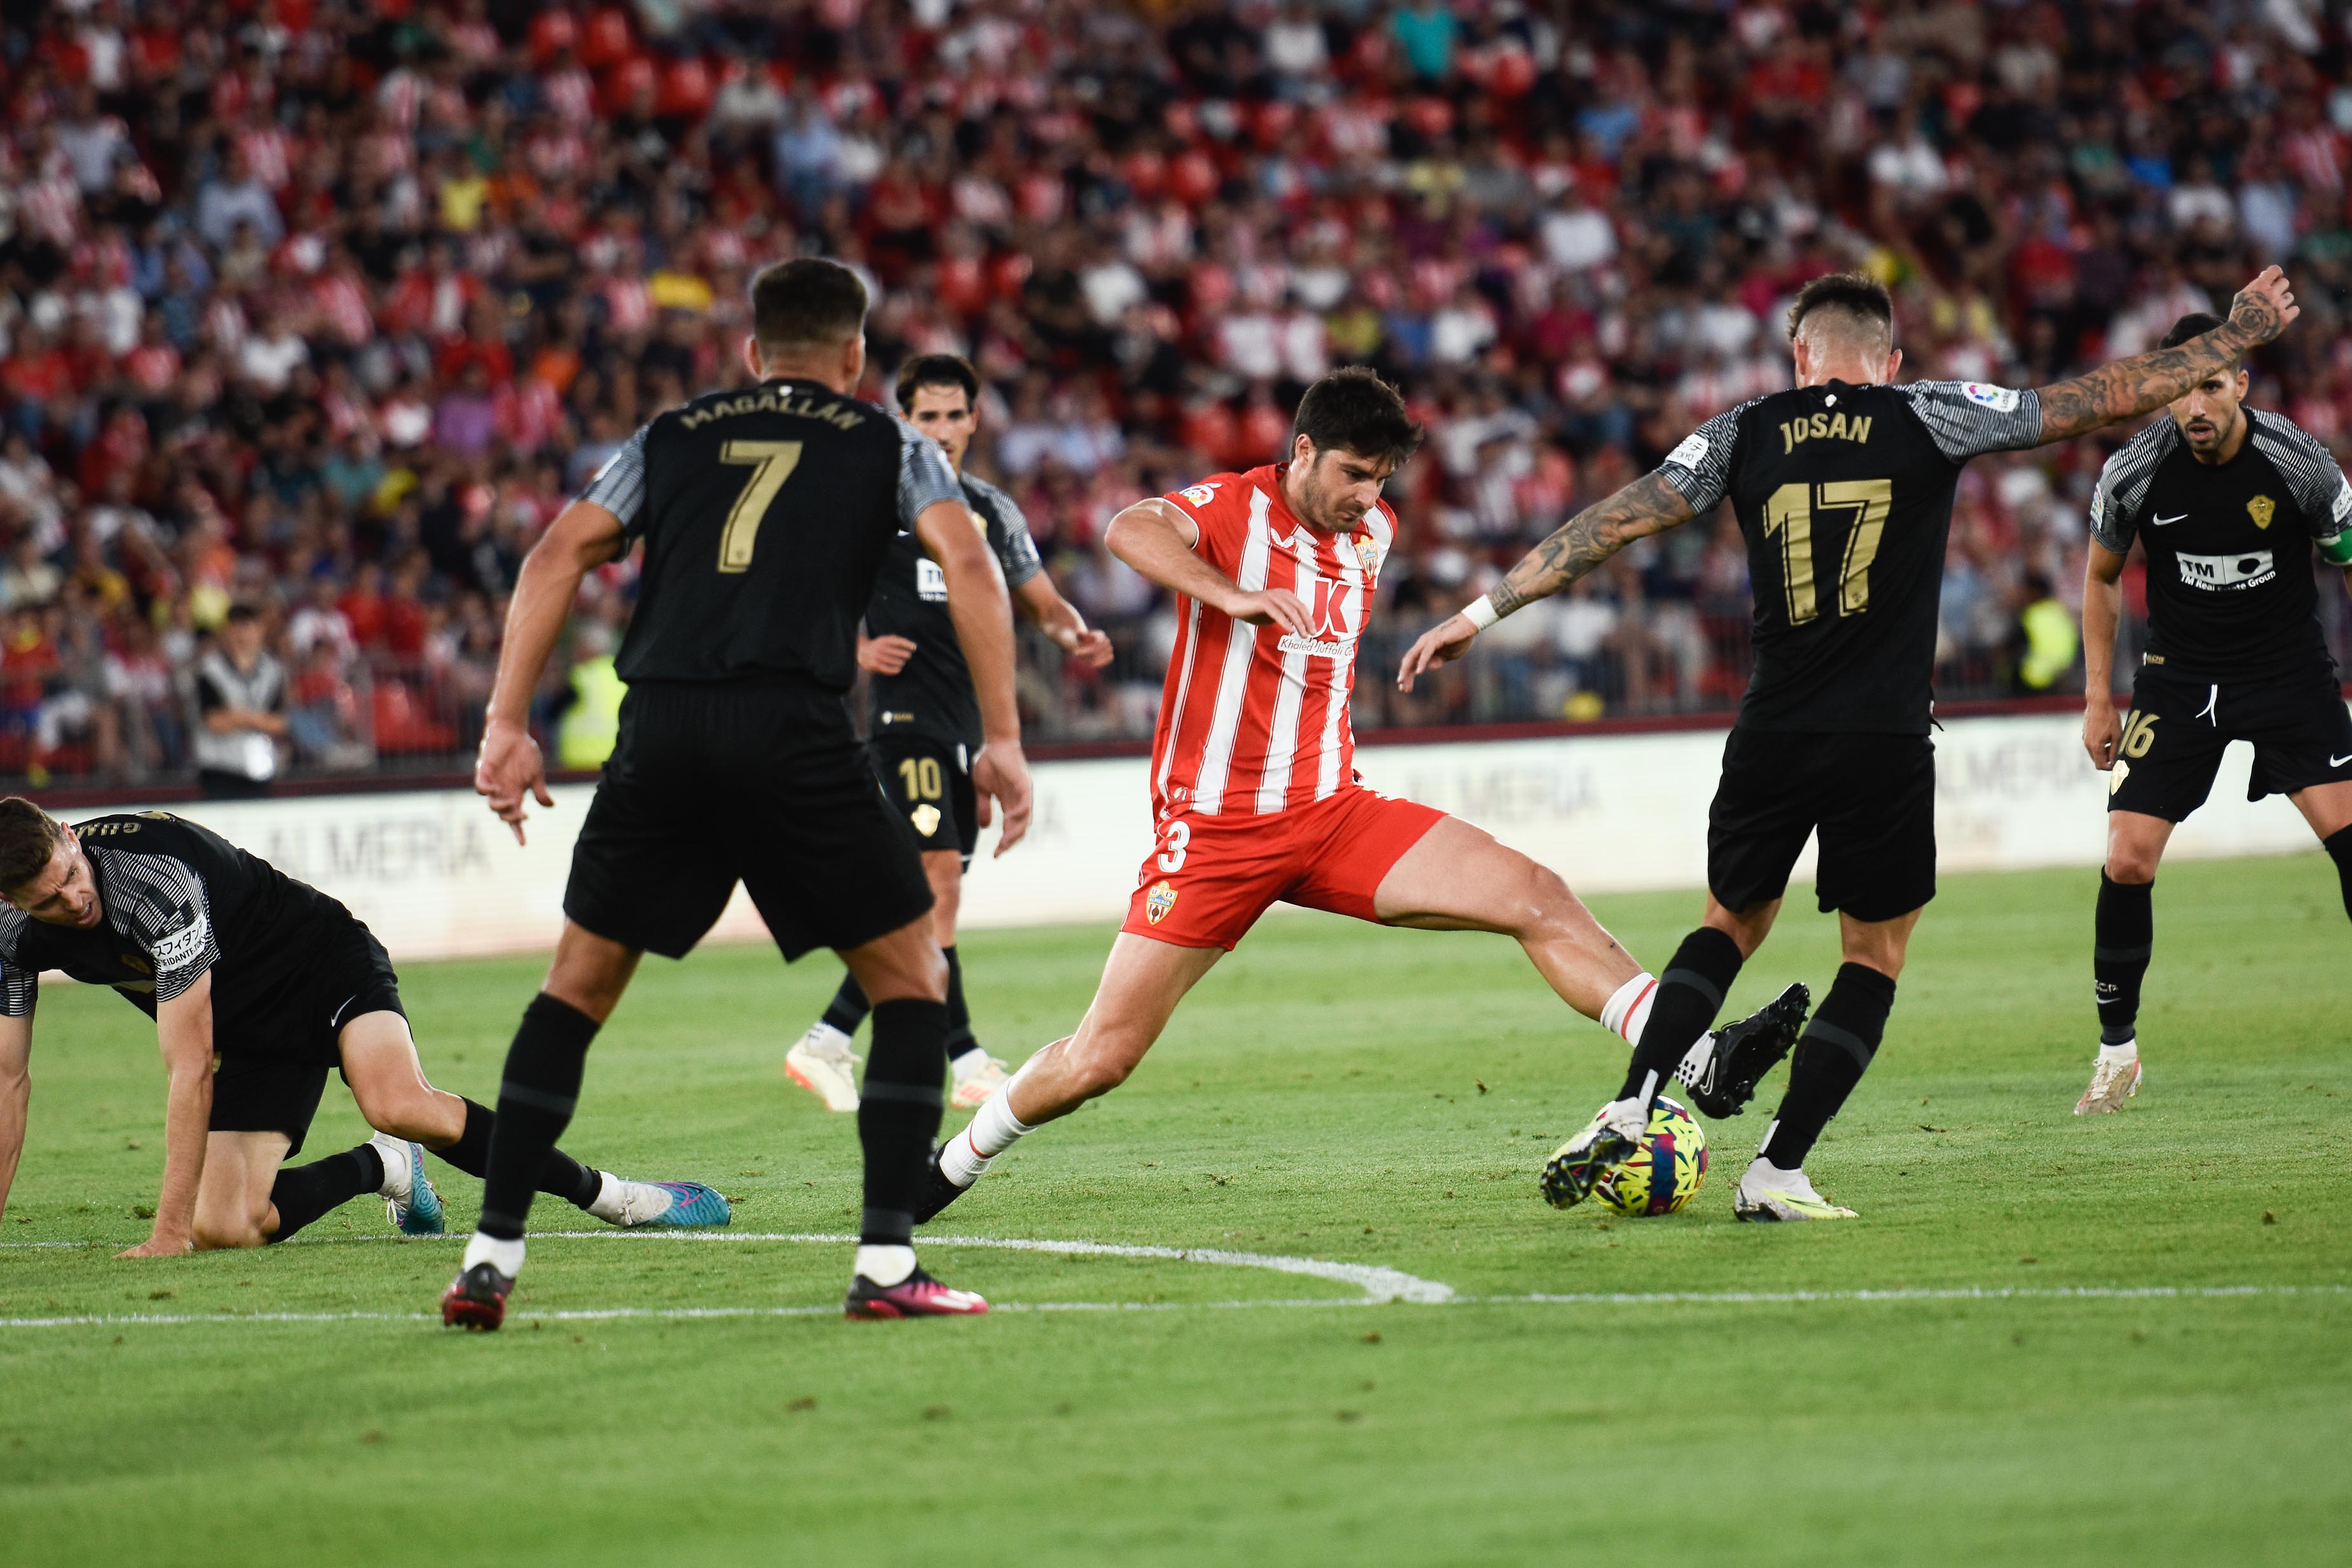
1252	719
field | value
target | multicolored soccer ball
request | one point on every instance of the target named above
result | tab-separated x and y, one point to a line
1665	1173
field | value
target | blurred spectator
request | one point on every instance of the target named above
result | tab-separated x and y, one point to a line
241	709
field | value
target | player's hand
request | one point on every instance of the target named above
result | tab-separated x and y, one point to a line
507	766
2265	306
1441	644
160	1246
884	655
1272	606
1001	772
1084	644
2103	731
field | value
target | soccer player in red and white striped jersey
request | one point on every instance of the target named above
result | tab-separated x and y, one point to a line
1255	789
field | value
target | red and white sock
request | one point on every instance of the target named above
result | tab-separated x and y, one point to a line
968	1155
1629	1009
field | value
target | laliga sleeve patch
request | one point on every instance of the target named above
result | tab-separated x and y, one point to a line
1198	496
2098	506
2343	508
2001	400
1690	454
176	949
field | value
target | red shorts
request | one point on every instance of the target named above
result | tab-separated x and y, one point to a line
1209	878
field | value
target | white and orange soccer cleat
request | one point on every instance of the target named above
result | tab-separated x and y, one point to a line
823	1063
2115	1079
976	1085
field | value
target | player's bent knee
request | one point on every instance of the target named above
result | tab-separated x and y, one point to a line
219	1236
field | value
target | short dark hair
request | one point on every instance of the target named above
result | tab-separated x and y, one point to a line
1854	294
2196	324
240	613
1353	408
806	303
29	838
936	370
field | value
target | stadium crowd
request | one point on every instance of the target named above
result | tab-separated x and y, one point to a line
322	309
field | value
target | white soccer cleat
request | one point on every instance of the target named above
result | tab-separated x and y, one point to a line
2111	1083
823	1063
1768	1193
671	1205
979	1084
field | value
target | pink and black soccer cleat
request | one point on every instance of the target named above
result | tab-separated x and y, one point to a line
476	1299
916	1296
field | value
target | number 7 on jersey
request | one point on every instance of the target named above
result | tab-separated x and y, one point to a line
772	462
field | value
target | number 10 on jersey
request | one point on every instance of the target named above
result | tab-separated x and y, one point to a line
1789	511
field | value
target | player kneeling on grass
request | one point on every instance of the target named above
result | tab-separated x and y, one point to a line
2228	503
1254	789
257	984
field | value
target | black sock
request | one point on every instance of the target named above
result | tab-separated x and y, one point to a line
898	1114
1836	1047
2338	845
535	1100
960	1042
306	1192
849	1007
564	1177
2123	932
1690	993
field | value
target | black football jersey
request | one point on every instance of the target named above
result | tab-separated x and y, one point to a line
932	693
1845	494
765	513
176	902
2230	587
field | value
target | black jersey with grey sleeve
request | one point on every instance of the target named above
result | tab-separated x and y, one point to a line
932	693
2231	593
177	902
765	513
1845	494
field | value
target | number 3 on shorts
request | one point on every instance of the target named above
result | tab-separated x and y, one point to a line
1176	835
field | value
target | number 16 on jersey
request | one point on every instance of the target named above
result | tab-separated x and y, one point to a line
1788	512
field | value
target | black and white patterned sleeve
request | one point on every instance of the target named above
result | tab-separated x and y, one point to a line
2121	500
2310	470
1700	467
161	903
1966	418
924	476
20	985
1016	551
619	486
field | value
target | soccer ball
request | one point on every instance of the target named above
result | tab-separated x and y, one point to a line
1661	1175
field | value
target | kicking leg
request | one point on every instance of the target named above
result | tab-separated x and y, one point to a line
1837	1048
2123	937
234	1205
1141	984
536	1096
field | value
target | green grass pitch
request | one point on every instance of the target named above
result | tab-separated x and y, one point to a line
1332	1091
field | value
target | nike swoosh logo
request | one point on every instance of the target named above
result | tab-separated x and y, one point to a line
2339	761
2161	521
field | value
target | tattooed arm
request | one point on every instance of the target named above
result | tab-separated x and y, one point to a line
1648	506
2145	383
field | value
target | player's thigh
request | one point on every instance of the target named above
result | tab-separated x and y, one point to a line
2327	807
900	964
275	1089
233	1195
2302	734
944	869
2170	750
2136	844
1765	806
1142	981
381	1064
652	870
1456	877
1877	826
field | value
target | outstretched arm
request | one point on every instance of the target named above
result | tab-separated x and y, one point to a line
16	1096
1647	505
1040	600
184	1031
2145	382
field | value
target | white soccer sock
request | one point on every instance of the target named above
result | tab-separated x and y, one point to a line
2113	1055
993	1130
612	1198
397	1172
1628	1009
884	1265
504	1256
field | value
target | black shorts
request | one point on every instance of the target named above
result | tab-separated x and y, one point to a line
274	1054
2180	725
929	779
1872	798
711	785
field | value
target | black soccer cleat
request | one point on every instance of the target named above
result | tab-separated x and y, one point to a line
476	1299
1570	1175
916	1296
1745	1051
937	1191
